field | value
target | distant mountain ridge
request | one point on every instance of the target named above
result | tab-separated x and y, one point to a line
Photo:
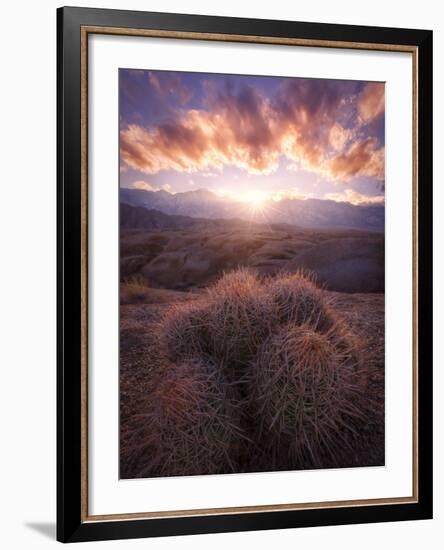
150	219
310	213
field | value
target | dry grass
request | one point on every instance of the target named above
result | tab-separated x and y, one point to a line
134	290
305	394
190	425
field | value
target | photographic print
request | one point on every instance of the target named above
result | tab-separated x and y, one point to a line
251	273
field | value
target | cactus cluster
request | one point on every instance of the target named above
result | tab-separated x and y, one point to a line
259	374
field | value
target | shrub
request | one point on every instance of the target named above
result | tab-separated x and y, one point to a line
190	426
304	394
134	290
299	300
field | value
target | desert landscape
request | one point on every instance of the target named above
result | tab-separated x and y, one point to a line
179	252
252	269
170	263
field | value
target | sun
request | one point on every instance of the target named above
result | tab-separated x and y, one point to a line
256	201
254	197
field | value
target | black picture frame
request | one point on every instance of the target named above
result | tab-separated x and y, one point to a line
71	523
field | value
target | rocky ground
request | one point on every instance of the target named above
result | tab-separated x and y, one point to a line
184	258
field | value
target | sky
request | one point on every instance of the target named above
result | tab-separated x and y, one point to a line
252	138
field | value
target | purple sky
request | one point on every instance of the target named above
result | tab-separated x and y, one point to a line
269	137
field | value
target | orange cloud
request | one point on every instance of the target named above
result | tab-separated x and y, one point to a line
144	185
371	102
354	197
363	158
339	136
239	131
307	111
305	122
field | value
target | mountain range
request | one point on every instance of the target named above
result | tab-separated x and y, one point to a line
150	219
309	213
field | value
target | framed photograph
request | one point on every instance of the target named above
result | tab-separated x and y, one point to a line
244	274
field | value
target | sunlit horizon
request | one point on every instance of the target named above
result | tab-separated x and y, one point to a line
258	199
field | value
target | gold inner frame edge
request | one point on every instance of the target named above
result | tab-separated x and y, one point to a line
85	32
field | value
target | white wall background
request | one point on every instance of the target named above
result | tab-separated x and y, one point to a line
27	273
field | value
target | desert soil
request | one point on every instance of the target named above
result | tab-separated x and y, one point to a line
344	261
